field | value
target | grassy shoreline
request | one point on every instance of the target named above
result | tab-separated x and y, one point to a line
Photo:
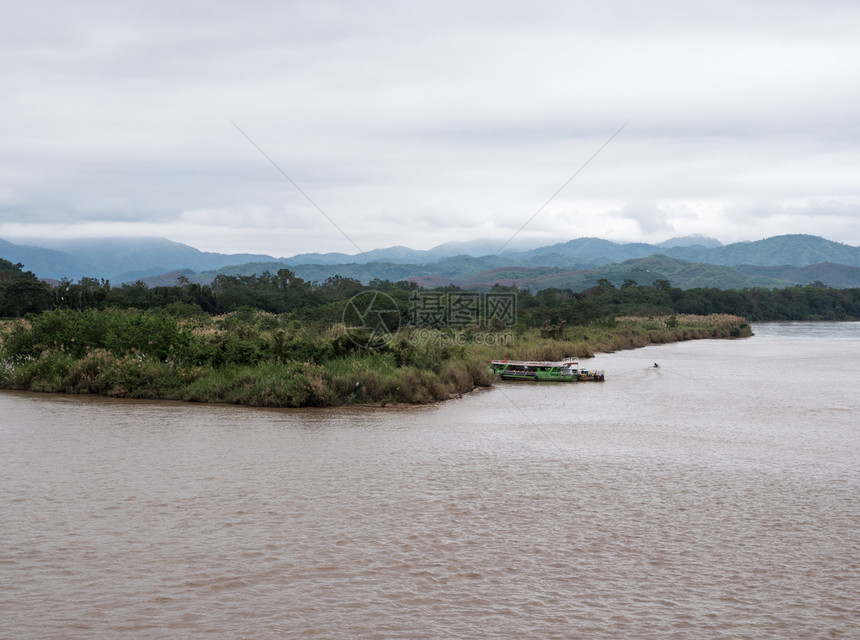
259	360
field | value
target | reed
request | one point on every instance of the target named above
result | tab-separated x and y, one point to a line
261	360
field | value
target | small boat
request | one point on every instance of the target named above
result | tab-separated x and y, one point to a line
566	370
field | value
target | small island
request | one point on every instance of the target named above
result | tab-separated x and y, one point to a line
255	358
275	340
250	358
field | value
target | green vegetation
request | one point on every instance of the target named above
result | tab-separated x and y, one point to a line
246	357
283	292
256	358
278	340
810	302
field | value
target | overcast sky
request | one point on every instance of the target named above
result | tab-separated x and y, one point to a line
417	123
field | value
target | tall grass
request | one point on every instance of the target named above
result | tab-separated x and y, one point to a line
260	360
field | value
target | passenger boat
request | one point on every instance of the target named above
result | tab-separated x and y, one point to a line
566	370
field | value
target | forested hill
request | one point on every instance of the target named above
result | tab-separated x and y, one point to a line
482	274
686	262
794	250
285	293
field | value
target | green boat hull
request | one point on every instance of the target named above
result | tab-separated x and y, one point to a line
544	372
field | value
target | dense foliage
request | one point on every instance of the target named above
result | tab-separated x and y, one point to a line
257	358
810	302
278	340
245	357
323	303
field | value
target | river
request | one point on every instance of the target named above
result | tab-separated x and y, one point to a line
717	496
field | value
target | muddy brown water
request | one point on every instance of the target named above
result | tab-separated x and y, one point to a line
717	496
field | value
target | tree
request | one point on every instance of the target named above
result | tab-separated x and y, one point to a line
23	296
20	291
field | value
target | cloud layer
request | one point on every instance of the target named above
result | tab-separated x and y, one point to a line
418	123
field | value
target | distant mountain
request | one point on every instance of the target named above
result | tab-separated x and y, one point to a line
590	251
796	250
169	279
45	263
696	240
114	258
790	258
579	251
688	275
457	267
484	273
316	272
405	255
480	247
319	258
643	271
833	275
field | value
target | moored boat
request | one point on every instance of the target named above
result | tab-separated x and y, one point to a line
566	370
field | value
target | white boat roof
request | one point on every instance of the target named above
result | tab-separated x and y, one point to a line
537	363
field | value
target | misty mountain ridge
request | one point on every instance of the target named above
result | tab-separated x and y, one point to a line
779	260
695	240
127	259
484	273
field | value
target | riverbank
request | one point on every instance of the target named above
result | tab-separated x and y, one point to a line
255	359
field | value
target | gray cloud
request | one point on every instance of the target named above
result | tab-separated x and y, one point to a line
416	123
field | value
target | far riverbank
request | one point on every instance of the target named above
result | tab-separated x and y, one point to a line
254	359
